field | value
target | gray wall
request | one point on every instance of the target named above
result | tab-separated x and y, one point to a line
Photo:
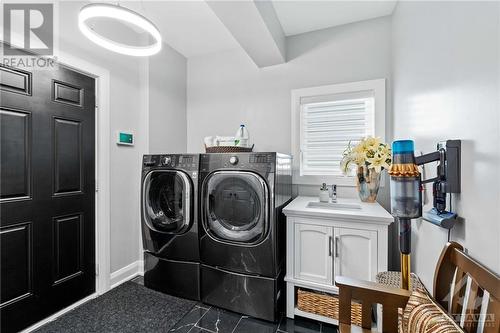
127	108
226	89
167	102
446	66
443	59
156	116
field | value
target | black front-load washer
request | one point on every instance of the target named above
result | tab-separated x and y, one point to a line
242	233
170	224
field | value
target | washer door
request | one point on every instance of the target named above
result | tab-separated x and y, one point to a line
235	207
167	201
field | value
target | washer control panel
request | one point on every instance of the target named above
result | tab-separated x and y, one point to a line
150	160
167	160
187	162
233	160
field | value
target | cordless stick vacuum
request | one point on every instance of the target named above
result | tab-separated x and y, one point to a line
406	191
406	199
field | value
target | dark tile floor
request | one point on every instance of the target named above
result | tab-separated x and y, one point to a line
209	319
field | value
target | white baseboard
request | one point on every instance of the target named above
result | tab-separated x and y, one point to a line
117	277
141	267
126	273
58	314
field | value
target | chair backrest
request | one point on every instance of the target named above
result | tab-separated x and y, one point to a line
467	290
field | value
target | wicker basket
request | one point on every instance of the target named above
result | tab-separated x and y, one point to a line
325	305
228	149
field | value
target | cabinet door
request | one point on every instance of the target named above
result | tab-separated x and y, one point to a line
355	253
313	253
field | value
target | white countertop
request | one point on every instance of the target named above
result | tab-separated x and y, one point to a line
369	212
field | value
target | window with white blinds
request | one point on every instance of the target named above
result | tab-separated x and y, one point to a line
328	124
325	119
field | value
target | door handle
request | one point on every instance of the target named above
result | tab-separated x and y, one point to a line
337	240
330	240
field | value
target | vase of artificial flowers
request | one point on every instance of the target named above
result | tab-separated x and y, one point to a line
369	157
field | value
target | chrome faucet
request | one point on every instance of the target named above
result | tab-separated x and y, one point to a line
333	195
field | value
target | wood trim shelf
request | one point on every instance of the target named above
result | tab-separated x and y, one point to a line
316	317
312	285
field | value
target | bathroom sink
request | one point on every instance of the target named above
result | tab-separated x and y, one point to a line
333	206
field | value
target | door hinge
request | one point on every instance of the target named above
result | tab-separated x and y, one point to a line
96	270
96	186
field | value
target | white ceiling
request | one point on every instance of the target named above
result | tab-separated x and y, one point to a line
190	27
298	17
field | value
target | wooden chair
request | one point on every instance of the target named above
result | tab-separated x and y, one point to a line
455	271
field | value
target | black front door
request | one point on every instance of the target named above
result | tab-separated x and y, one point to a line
47	229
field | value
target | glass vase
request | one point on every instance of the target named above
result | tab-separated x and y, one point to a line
368	183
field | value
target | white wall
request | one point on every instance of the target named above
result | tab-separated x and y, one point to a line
167	102
443	59
130	102
226	89
446	66
126	106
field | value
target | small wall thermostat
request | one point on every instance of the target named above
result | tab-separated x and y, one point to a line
124	138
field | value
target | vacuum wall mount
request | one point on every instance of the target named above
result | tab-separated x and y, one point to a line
406	191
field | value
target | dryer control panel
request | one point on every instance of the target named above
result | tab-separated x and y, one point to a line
259	162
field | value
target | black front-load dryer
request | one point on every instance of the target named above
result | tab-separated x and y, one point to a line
170	224
242	231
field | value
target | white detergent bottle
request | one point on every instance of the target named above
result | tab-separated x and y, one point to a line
242	137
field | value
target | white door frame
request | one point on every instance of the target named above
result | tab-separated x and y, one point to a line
102	175
102	164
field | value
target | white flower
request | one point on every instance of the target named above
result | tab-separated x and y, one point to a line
378	162
370	152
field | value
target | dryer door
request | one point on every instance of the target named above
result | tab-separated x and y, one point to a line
167	201
236	207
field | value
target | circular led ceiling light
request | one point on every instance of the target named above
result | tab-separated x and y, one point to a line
101	10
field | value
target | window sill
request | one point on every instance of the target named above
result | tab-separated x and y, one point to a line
329	180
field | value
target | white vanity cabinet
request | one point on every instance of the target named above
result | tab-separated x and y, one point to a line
356	253
312	253
322	243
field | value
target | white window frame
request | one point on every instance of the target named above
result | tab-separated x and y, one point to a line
376	86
